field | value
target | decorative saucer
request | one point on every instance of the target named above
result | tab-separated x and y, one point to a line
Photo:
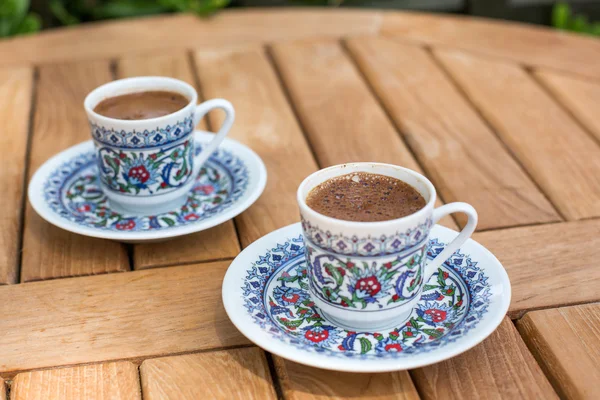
65	191
265	292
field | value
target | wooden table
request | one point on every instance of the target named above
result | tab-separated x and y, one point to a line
502	116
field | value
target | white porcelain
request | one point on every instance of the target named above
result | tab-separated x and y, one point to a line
149	166
65	192
368	275
266	296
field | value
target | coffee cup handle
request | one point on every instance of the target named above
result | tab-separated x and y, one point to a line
462	237
201	111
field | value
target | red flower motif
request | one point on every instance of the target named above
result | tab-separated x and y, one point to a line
117	161
377	335
191	217
84	208
311	304
395	297
408	323
394	347
388	265
122	155
163	185
409	334
341	347
344	304
101	214
350	264
440	297
293	299
140	173
369	284
350	333
341	271
459	304
125	225
436	315
152	156
316	337
303	272
445	275
315	315
303	311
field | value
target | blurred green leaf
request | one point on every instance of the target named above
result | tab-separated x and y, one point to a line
580	24
125	9
560	15
14	19
60	12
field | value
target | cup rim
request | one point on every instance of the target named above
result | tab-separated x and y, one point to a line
132	123
305	209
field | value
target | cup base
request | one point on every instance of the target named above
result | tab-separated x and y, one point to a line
353	325
151	209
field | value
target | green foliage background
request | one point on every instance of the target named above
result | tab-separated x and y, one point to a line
15	18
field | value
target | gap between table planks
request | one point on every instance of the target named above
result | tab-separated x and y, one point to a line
465	159
16	95
220	242
108	317
60	122
581	97
559	155
499	367
110	381
565	343
521	43
228	374
319	75
543	263
300	382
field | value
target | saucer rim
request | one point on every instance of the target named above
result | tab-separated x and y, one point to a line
233	304
252	160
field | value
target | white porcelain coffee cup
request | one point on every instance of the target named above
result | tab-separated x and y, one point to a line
149	166
369	275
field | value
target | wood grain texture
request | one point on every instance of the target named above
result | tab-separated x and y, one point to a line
3	390
230	374
60	122
216	243
560	156
110	381
114	316
522	43
341	117
104	40
464	158
16	89
300	382
581	97
544	263
565	342
265	123
500	367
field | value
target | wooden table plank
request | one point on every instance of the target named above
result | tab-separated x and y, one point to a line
464	158
543	262
108	317
499	368
581	97
60	122
565	342
522	43
300	382
110	381
264	122
3	390
102	40
219	242
341	117
16	89
562	158
231	374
